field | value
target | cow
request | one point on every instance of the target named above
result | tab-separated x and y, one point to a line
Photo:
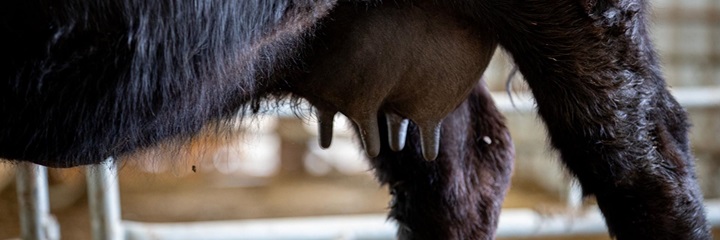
84	80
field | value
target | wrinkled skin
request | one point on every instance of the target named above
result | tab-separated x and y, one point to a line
84	80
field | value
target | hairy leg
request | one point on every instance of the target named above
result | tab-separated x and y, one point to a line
599	89
457	196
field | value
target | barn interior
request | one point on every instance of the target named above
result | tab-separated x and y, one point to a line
275	170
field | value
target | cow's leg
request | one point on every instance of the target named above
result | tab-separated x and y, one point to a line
599	89
457	196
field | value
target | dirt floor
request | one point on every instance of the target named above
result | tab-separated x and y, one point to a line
173	197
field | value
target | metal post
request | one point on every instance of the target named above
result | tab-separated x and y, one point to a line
104	201
32	190
574	196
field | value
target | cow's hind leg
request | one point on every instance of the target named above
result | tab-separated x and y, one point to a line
632	155
457	196
598	87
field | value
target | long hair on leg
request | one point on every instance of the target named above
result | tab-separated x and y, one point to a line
458	195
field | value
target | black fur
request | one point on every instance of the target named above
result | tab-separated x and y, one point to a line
85	80
598	86
88	79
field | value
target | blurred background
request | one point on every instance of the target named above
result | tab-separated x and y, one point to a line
276	168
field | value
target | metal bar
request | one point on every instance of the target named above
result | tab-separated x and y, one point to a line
574	196
32	190
688	97
513	223
364	227
697	97
104	201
